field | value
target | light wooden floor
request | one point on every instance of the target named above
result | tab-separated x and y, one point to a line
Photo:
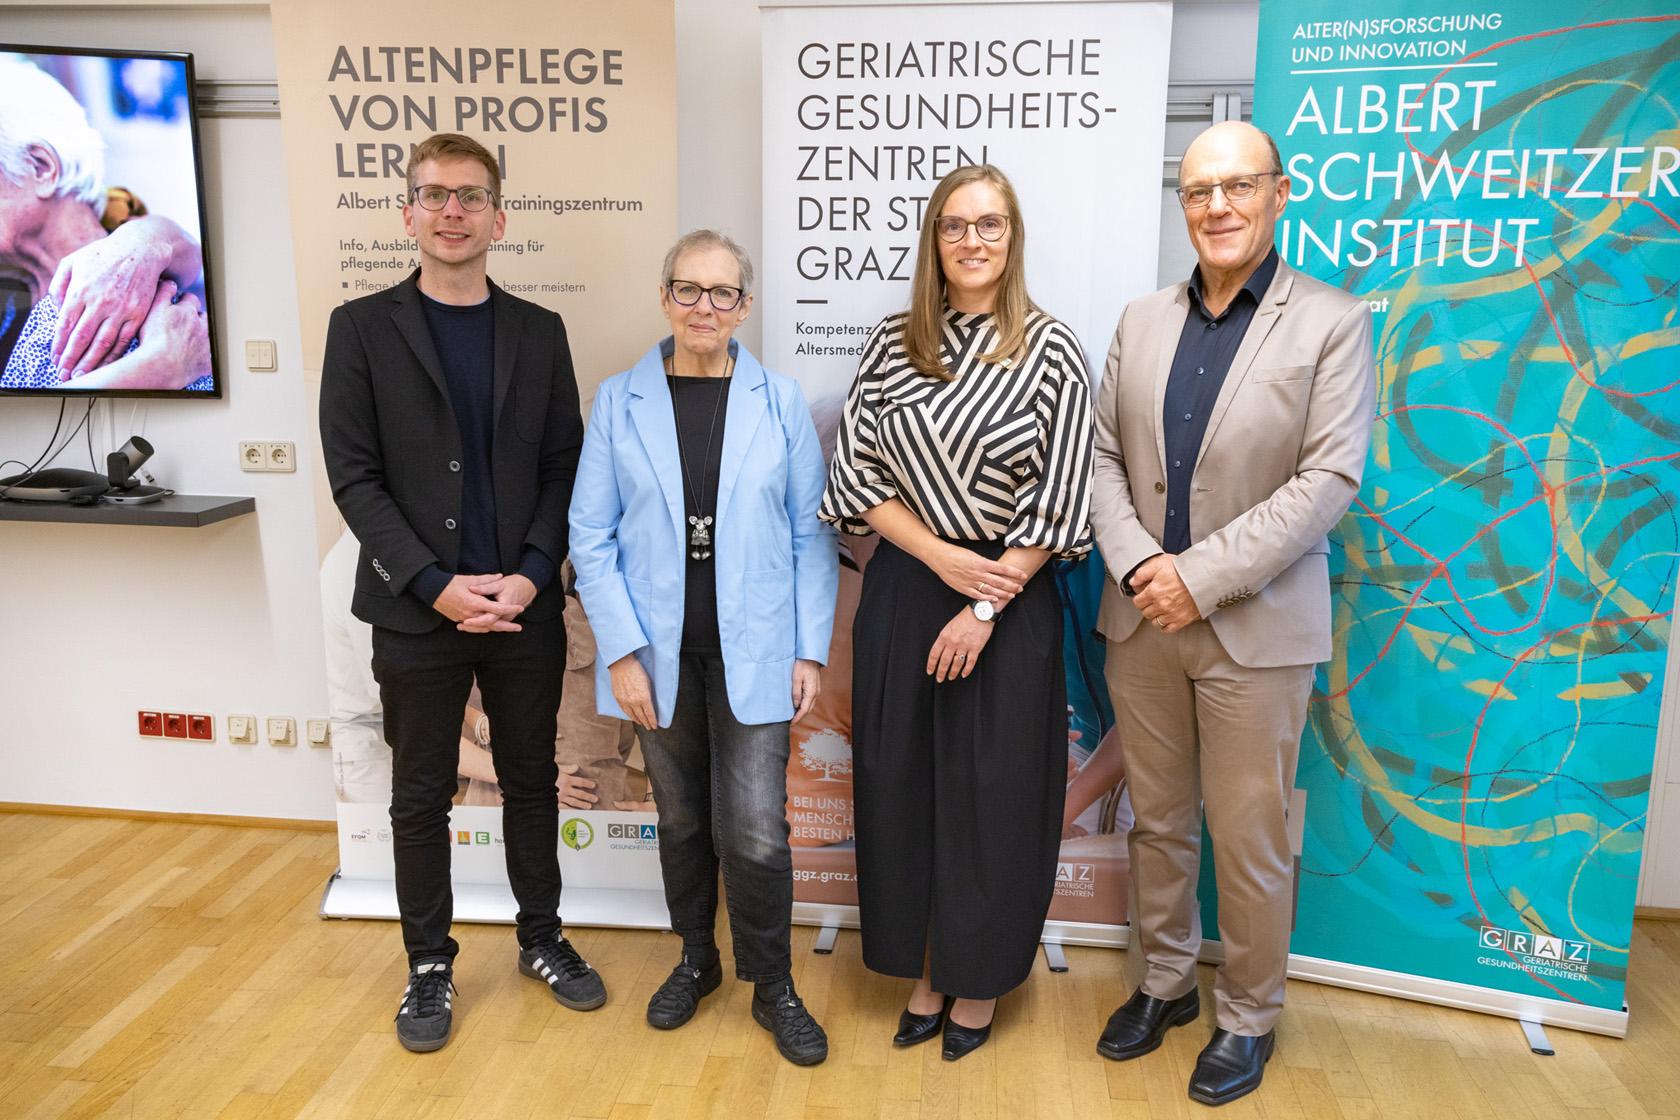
179	970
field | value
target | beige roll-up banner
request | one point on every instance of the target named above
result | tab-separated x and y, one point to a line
578	103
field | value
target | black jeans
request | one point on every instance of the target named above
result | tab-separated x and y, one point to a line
424	680
721	788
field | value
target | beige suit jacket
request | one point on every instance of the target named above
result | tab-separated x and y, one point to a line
1280	464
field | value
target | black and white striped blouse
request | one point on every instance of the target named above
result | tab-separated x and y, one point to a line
1000	452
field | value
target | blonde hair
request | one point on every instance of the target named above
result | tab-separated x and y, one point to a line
923	333
453	145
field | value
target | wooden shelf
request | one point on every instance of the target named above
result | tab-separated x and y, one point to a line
189	511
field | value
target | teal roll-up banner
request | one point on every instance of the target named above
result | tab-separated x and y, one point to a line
1503	184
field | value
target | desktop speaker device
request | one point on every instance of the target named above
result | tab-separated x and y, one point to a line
57	484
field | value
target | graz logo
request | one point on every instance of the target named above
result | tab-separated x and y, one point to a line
577	834
1524	944
633	832
1076	880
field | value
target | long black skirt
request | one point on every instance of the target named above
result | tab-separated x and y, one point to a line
958	787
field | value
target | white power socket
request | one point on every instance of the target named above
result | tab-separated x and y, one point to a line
317	732
280	733
278	456
242	730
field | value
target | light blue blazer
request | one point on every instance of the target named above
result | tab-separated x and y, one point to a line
777	566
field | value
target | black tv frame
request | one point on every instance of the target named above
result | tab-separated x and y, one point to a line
217	373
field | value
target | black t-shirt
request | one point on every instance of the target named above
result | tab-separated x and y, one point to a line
700	404
465	338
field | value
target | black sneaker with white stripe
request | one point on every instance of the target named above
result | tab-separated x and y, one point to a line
568	976
424	1019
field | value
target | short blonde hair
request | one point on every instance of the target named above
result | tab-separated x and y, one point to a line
453	145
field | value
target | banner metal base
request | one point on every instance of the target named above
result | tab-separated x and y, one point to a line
1537	1040
494	902
1529	1010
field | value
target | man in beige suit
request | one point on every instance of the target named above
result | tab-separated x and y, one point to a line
1232	426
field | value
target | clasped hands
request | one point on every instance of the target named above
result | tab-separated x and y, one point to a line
957	649
1160	594
486	604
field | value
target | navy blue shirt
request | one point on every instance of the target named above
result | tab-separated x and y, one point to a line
465	339
1206	349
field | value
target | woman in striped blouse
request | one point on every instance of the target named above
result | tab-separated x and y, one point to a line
966	445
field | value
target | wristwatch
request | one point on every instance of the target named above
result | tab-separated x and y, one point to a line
984	609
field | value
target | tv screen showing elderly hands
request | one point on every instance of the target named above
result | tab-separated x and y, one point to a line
103	277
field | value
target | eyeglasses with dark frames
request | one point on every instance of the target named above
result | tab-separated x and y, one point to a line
1236	189
724	297
434	197
990	227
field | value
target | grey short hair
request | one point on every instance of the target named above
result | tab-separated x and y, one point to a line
37	111
1277	160
707	239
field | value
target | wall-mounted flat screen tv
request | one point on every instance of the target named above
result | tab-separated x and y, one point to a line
104	279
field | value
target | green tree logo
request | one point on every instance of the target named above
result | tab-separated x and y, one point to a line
576	834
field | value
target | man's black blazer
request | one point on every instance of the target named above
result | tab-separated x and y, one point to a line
393	447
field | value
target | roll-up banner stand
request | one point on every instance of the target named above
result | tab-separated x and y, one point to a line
866	108
581	114
1503	186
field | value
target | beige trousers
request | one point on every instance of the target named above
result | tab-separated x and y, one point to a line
1201	731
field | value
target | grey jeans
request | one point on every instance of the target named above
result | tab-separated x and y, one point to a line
721	788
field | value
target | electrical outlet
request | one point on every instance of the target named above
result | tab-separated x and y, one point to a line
318	732
253	456
280	732
151	724
201	727
174	725
242	730
281	456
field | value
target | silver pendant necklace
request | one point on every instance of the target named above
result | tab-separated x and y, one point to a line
699	526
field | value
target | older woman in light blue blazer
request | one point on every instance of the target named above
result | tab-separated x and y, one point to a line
698	486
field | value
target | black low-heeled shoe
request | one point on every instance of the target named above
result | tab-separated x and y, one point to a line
915	1029
960	1041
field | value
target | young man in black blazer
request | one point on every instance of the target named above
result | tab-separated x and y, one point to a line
451	431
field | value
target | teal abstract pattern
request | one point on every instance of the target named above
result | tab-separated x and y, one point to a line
1504	186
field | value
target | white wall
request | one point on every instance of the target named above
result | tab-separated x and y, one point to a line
101	622
97	623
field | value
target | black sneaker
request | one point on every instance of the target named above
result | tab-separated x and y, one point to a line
679	997
568	976
424	1019
798	1036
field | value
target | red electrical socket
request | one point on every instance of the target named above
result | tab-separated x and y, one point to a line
151	724
201	727
174	725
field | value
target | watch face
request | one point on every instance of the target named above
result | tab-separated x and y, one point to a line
983	610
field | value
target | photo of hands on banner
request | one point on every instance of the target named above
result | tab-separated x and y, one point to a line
600	763
601	768
97	153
